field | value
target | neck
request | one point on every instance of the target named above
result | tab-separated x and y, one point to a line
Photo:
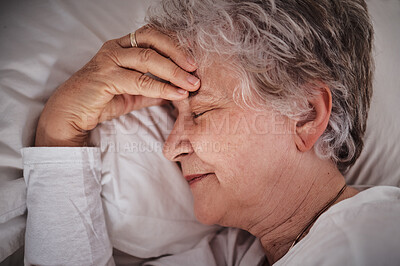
304	206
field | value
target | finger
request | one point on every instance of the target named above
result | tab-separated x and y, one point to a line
135	83
124	42
148	37
119	105
125	103
148	60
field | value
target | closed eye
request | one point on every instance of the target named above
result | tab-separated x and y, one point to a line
196	115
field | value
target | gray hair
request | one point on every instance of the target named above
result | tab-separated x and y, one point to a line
282	50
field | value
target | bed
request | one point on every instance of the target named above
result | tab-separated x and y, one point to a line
44	42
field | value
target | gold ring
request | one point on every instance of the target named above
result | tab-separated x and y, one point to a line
132	37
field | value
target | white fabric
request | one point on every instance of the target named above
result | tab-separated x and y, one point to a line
12	234
12	220
10	209
66	223
44	42
379	161
231	246
363	230
148	203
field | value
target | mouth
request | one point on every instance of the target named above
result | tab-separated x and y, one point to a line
195	178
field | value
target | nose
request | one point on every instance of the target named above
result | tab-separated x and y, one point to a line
178	144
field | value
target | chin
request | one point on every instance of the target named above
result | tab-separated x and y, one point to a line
205	214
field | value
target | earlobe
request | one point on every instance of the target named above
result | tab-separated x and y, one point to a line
310	129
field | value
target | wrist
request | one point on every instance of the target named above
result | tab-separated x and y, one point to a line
60	136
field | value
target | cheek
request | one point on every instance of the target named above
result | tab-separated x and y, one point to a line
242	147
248	158
215	137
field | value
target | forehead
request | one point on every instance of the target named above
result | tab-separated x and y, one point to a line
217	85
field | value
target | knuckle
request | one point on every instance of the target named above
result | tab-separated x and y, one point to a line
144	82
163	88
108	57
175	72
113	54
146	29
102	55
177	47
101	60
107	44
146	54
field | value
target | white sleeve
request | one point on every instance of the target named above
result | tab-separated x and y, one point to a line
65	224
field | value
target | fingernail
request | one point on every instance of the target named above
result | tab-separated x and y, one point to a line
193	80
191	60
181	91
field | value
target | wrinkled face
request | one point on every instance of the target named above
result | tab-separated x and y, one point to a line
234	159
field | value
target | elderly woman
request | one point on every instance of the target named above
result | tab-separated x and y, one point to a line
283	87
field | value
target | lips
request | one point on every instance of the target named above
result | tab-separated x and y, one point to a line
194	178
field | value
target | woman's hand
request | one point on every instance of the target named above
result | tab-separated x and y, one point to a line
113	83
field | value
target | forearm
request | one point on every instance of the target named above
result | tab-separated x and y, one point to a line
65	222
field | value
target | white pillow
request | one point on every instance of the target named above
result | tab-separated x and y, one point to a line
44	42
380	159
147	201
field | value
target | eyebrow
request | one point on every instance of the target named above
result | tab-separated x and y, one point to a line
203	95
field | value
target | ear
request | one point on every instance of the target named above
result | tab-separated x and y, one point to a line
309	130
